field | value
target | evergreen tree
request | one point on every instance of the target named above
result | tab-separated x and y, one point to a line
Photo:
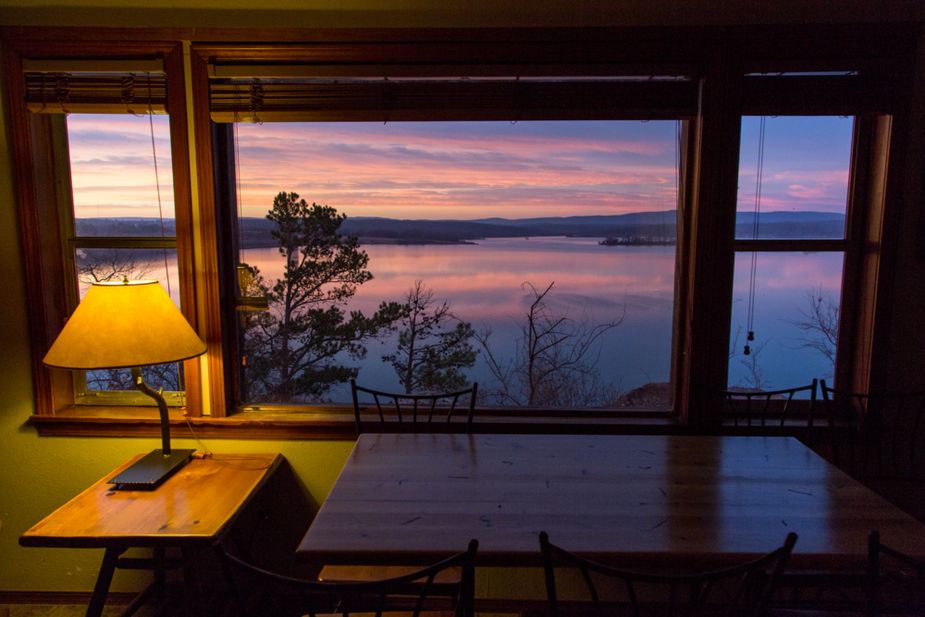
296	349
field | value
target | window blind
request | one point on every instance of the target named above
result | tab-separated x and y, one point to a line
85	86
397	99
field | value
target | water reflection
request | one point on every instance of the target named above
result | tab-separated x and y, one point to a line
484	283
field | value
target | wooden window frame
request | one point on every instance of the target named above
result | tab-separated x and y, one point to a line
43	192
723	64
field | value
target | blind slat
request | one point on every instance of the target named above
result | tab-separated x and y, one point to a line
386	100
96	92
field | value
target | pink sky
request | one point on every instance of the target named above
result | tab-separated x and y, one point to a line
462	170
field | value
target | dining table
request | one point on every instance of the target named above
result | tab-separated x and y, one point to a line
692	501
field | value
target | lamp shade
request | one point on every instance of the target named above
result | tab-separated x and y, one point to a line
121	325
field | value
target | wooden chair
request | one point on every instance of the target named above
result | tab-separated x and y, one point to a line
763	408
412	412
896	584
744	589
258	592
891	583
886	446
890	431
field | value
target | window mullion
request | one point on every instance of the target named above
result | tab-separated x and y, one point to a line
123	242
789	245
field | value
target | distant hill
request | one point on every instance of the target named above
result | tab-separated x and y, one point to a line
659	226
128	226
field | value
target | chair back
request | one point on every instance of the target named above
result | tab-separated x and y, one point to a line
888	441
402	412
602	590
259	592
896	581
761	408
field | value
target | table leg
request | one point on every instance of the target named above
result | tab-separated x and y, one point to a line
193	602
103	580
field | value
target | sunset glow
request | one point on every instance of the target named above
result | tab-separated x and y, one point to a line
462	170
112	165
459	170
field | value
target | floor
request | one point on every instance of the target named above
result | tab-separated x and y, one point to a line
58	610
68	610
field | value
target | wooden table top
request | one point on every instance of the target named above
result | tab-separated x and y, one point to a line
193	505
414	498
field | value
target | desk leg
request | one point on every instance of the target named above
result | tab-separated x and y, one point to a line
193	603
103	580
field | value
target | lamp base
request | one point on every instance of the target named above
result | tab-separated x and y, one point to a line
148	472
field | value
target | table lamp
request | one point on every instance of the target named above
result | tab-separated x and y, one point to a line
130	324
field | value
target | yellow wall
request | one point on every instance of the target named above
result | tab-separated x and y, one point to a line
38	474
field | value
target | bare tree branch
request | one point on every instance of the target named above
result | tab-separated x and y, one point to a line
555	359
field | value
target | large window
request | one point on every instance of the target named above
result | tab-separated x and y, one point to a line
536	258
615	211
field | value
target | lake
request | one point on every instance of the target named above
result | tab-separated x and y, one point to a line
484	283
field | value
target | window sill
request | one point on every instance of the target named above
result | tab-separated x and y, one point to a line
323	424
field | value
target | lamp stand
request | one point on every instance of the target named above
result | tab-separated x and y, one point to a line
158	465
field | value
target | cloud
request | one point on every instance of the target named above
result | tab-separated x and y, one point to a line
467	170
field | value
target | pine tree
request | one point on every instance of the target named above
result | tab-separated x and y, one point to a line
296	350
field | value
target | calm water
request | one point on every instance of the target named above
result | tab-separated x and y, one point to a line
484	284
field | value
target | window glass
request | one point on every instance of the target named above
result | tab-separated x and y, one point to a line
793	188
802	164
795	319
117	189
112	264
485	250
121	195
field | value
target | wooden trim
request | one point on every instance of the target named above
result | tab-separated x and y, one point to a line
788	246
852	363
689	168
887	35
105	242
226	198
892	137
69	45
45	314
820	95
326	425
713	205
183	212
209	275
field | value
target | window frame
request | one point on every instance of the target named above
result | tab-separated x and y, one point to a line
74	242
223	148
721	60
39	143
841	245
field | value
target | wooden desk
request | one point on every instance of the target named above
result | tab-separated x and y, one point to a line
192	509
651	499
